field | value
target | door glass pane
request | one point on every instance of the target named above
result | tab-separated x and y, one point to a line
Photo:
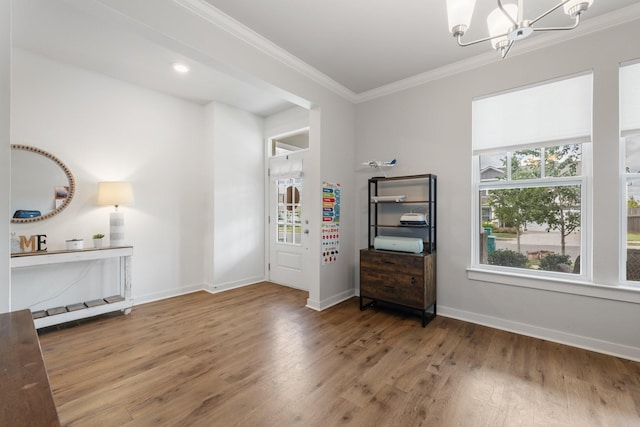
289	227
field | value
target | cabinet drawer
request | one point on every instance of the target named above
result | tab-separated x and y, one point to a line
398	289
393	277
396	263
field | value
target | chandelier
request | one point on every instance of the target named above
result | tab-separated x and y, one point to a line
506	23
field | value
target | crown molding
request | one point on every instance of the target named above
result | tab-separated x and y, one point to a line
215	16
428	76
225	22
612	19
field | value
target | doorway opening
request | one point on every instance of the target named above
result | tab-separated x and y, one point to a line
287	222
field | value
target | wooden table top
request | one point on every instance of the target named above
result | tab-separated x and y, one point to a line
25	393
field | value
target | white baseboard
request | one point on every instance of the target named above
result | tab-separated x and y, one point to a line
288	286
144	299
330	302
215	288
600	346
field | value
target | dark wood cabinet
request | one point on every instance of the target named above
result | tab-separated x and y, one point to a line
401	278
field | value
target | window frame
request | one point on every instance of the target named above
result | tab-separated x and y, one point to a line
628	129
625	178
585	285
491	138
582	180
292	210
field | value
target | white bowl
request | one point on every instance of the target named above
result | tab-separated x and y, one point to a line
75	244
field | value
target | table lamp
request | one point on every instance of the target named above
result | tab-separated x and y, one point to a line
115	194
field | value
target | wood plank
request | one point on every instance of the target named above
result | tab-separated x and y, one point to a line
76	307
56	310
38	314
95	302
25	393
257	356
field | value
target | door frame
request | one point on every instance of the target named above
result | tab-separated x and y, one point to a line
267	199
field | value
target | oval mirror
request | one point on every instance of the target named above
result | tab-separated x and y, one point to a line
41	185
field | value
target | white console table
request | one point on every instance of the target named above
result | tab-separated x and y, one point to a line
124	254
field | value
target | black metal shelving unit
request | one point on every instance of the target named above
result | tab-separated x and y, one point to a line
427	199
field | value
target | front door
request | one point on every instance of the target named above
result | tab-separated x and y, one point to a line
286	224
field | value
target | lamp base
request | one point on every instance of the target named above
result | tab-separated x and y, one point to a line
116	229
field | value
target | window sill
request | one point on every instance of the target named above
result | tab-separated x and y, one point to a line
623	293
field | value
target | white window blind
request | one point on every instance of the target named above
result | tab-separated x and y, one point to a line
286	168
630	98
551	113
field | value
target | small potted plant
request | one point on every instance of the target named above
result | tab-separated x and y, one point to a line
97	240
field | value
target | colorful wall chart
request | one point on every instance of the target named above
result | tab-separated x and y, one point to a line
330	222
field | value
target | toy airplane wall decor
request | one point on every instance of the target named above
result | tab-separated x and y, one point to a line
380	165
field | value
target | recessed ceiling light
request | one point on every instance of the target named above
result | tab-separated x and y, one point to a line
180	68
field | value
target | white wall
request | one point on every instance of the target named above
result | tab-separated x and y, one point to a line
5	153
332	121
105	129
338	166
190	34
238	196
290	120
428	129
331	139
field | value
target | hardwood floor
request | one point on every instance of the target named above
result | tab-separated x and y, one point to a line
255	356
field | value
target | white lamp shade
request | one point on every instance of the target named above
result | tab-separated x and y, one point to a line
114	193
573	3
498	23
459	13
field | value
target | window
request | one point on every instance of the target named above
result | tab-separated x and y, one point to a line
289	211
289	143
630	141
535	208
532	162
631	199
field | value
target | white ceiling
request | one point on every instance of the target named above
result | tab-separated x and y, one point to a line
365	44
60	31
360	45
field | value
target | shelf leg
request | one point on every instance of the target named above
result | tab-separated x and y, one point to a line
127	277
369	304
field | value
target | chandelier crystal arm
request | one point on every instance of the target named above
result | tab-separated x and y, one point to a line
553	9
461	43
506	23
505	50
575	24
513	21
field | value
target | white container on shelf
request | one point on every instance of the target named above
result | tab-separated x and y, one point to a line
399	244
75	244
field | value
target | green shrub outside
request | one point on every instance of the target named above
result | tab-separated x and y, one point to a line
487	224
507	258
551	261
506	230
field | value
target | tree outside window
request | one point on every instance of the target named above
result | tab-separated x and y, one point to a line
536	207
